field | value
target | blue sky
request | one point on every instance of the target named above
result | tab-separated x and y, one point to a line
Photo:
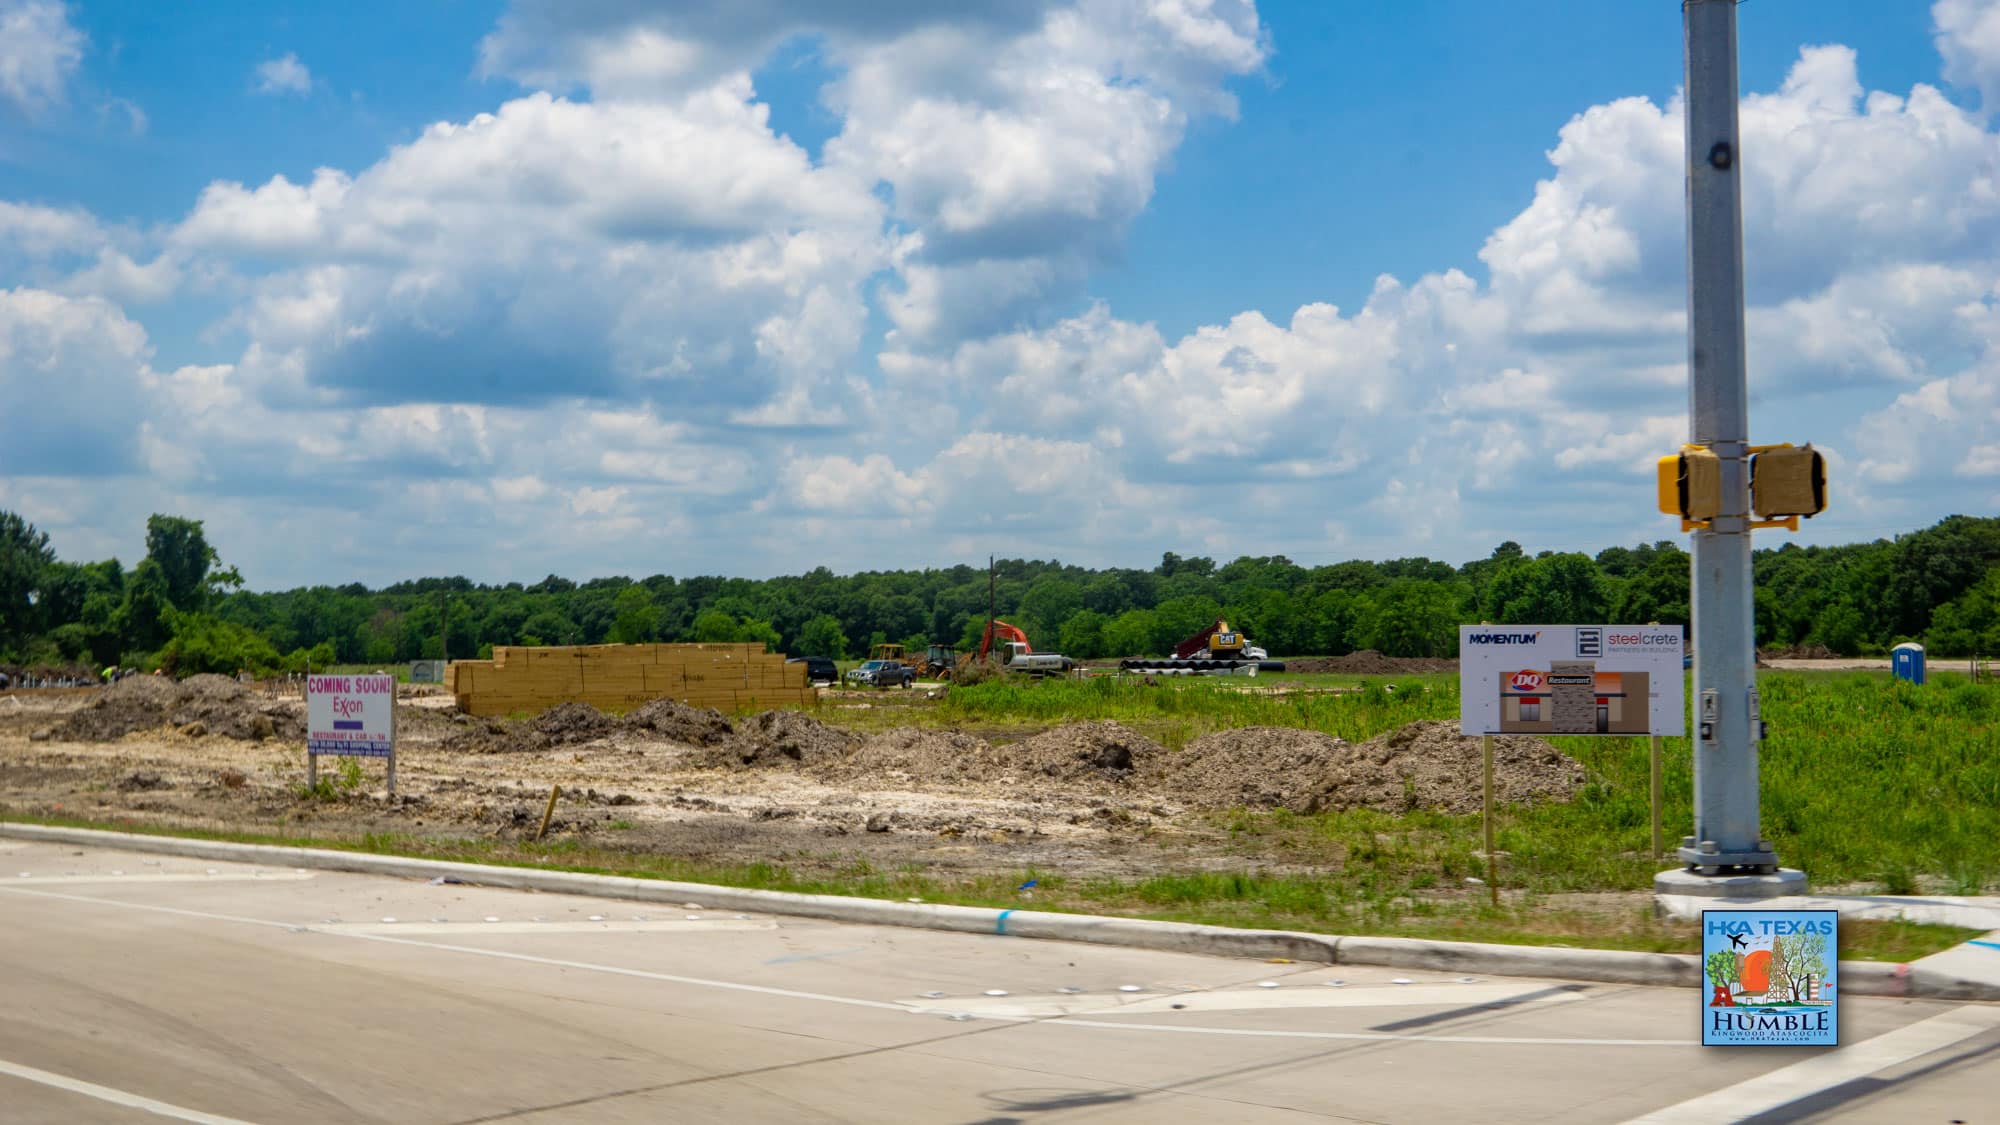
508	288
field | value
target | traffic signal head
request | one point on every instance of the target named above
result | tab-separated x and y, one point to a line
1690	484
1787	481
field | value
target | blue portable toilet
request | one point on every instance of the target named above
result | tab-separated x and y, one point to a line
1906	661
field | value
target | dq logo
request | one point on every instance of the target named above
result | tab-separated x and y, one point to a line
1526	681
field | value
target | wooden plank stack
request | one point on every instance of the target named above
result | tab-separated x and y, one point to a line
621	678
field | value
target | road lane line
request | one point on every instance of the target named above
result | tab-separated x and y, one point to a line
115	1097
1778	1088
857	1002
504	955
226	877
706	925
1303	996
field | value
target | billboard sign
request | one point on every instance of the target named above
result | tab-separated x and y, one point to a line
1571	679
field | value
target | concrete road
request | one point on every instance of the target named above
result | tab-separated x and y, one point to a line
137	988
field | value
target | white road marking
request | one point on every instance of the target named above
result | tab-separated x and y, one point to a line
470	927
1778	1088
1371	1036
1441	995
115	1097
853	1001
226	877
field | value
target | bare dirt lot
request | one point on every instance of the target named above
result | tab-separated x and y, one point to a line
1084	798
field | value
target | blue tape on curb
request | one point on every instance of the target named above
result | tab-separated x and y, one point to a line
1987	944
1000	923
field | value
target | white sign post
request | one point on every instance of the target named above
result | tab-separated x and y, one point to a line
350	716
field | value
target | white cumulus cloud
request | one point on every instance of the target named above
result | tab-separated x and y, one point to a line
284	75
39	51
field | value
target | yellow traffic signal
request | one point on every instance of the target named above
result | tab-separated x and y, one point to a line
1787	481
1690	484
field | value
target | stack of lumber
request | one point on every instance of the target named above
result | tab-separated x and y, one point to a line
621	678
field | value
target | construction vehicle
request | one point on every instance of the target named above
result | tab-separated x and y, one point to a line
1215	651
888	652
936	663
1017	655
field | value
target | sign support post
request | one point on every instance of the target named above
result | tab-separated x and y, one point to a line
1659	847
1492	862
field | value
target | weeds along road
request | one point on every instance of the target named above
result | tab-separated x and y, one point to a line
142	988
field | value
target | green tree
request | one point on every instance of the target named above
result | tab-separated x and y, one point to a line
758	632
1082	636
1562	589
548	627
638	622
822	637
1413	617
1969	625
202	642
180	549
1659	593
712	626
1046	606
1131	634
24	558
143	618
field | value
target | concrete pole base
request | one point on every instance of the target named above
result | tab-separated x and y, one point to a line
1681	881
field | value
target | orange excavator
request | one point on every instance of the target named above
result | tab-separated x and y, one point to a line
1017	654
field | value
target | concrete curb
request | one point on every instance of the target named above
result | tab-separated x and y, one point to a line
1861	978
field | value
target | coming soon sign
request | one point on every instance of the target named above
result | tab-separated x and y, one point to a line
1571	679
351	716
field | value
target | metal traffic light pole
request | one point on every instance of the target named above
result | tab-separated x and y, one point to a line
1727	855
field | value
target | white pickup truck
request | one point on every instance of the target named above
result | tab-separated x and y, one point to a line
1019	659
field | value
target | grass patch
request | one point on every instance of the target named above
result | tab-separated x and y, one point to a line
1865	779
1286	901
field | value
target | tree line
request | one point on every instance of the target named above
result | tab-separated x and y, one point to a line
182	610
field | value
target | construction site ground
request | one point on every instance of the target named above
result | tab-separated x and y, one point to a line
860	777
868	782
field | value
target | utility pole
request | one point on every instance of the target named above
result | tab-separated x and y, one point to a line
1728	854
986	639
444	647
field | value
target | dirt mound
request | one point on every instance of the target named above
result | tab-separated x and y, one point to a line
1083	751
678	722
1430	765
132	704
1257	767
914	753
780	738
566	723
496	736
214	705
1368	662
428	724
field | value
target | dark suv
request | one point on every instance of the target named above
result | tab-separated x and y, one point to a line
819	669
